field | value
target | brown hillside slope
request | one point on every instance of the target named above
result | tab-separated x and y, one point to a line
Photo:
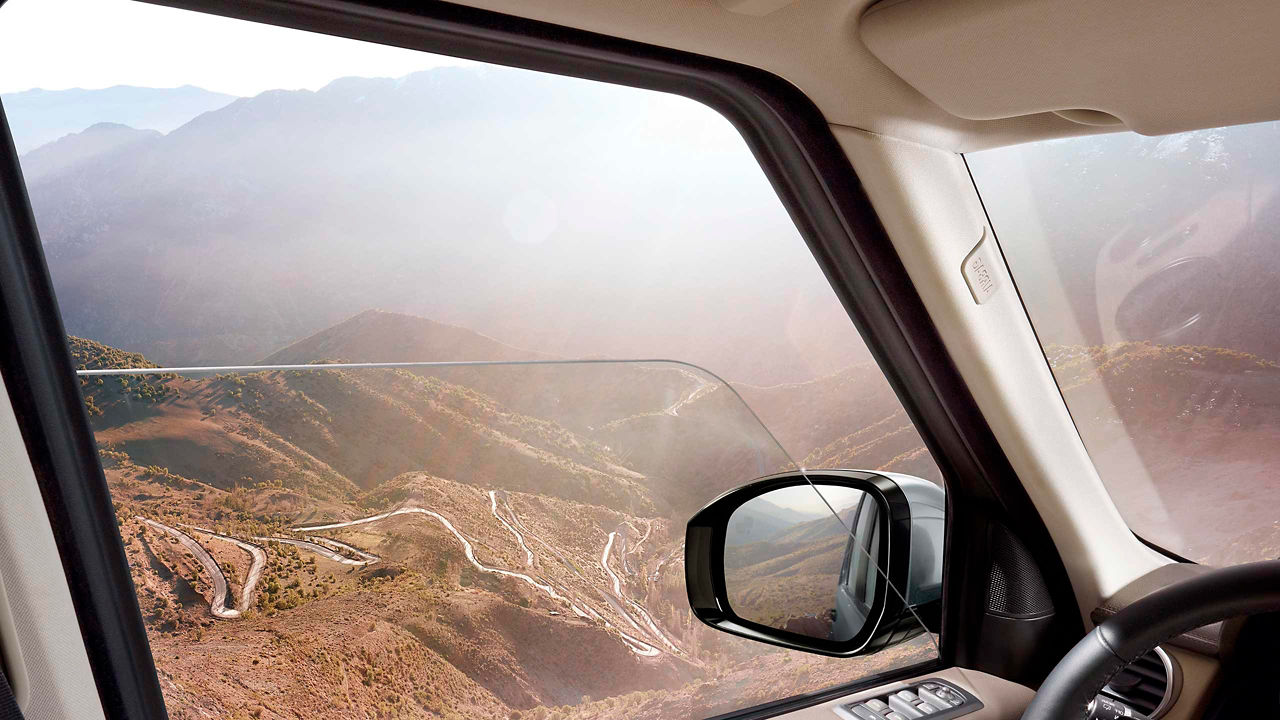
554	580
1184	437
329	431
849	419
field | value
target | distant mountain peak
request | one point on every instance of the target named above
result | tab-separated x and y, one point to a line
110	126
37	116
95	141
382	336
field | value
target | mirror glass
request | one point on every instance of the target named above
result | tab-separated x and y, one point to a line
790	564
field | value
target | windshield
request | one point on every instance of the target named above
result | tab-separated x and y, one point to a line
1150	267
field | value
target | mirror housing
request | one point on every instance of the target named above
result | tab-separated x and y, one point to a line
907	518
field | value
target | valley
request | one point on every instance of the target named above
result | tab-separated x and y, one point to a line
428	548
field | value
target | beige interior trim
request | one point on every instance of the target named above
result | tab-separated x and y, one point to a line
60	683
1199	676
966	75
1001	699
928	205
1160	66
758	8
813	44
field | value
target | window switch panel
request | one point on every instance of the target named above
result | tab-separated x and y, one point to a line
931	699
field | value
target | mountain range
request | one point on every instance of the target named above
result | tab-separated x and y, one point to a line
470	196
37	116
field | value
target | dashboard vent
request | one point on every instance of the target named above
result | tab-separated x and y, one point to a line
1147	685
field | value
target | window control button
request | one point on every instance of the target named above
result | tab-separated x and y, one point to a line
935	699
862	712
901	705
877	705
927	700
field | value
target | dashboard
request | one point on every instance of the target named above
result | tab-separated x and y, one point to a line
1172	682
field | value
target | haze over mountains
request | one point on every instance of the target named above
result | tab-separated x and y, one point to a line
41	116
469	196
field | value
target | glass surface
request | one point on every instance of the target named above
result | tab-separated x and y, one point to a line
249	209
432	504
1150	267
791	564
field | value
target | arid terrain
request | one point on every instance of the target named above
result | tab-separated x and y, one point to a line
501	541
1185	438
399	543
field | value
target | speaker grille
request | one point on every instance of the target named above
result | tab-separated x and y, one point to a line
1016	588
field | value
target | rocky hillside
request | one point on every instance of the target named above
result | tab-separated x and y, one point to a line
392	543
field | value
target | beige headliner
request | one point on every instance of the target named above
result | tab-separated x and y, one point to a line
812	43
1160	66
816	45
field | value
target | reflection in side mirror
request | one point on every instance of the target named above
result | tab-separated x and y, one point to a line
771	561
784	552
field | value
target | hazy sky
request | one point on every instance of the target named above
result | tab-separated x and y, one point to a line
804	499
60	44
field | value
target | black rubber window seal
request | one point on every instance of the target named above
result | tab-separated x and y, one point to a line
45	393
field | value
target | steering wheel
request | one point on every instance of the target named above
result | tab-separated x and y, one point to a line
1249	589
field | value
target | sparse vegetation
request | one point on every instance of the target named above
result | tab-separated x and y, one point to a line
425	632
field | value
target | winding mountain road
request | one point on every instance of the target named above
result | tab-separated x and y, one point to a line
636	645
493	507
259	564
604	563
658	570
368	557
704	386
218	604
321	550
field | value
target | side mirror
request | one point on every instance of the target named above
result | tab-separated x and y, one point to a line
769	561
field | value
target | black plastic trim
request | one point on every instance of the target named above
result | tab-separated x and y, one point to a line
1164	551
1238	591
42	386
705	575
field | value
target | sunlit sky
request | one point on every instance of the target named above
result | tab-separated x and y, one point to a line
60	44
804	498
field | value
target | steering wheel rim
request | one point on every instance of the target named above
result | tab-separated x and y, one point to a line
1249	589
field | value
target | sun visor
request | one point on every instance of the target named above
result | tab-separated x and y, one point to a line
1155	66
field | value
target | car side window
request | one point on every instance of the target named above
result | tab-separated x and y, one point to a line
407	372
